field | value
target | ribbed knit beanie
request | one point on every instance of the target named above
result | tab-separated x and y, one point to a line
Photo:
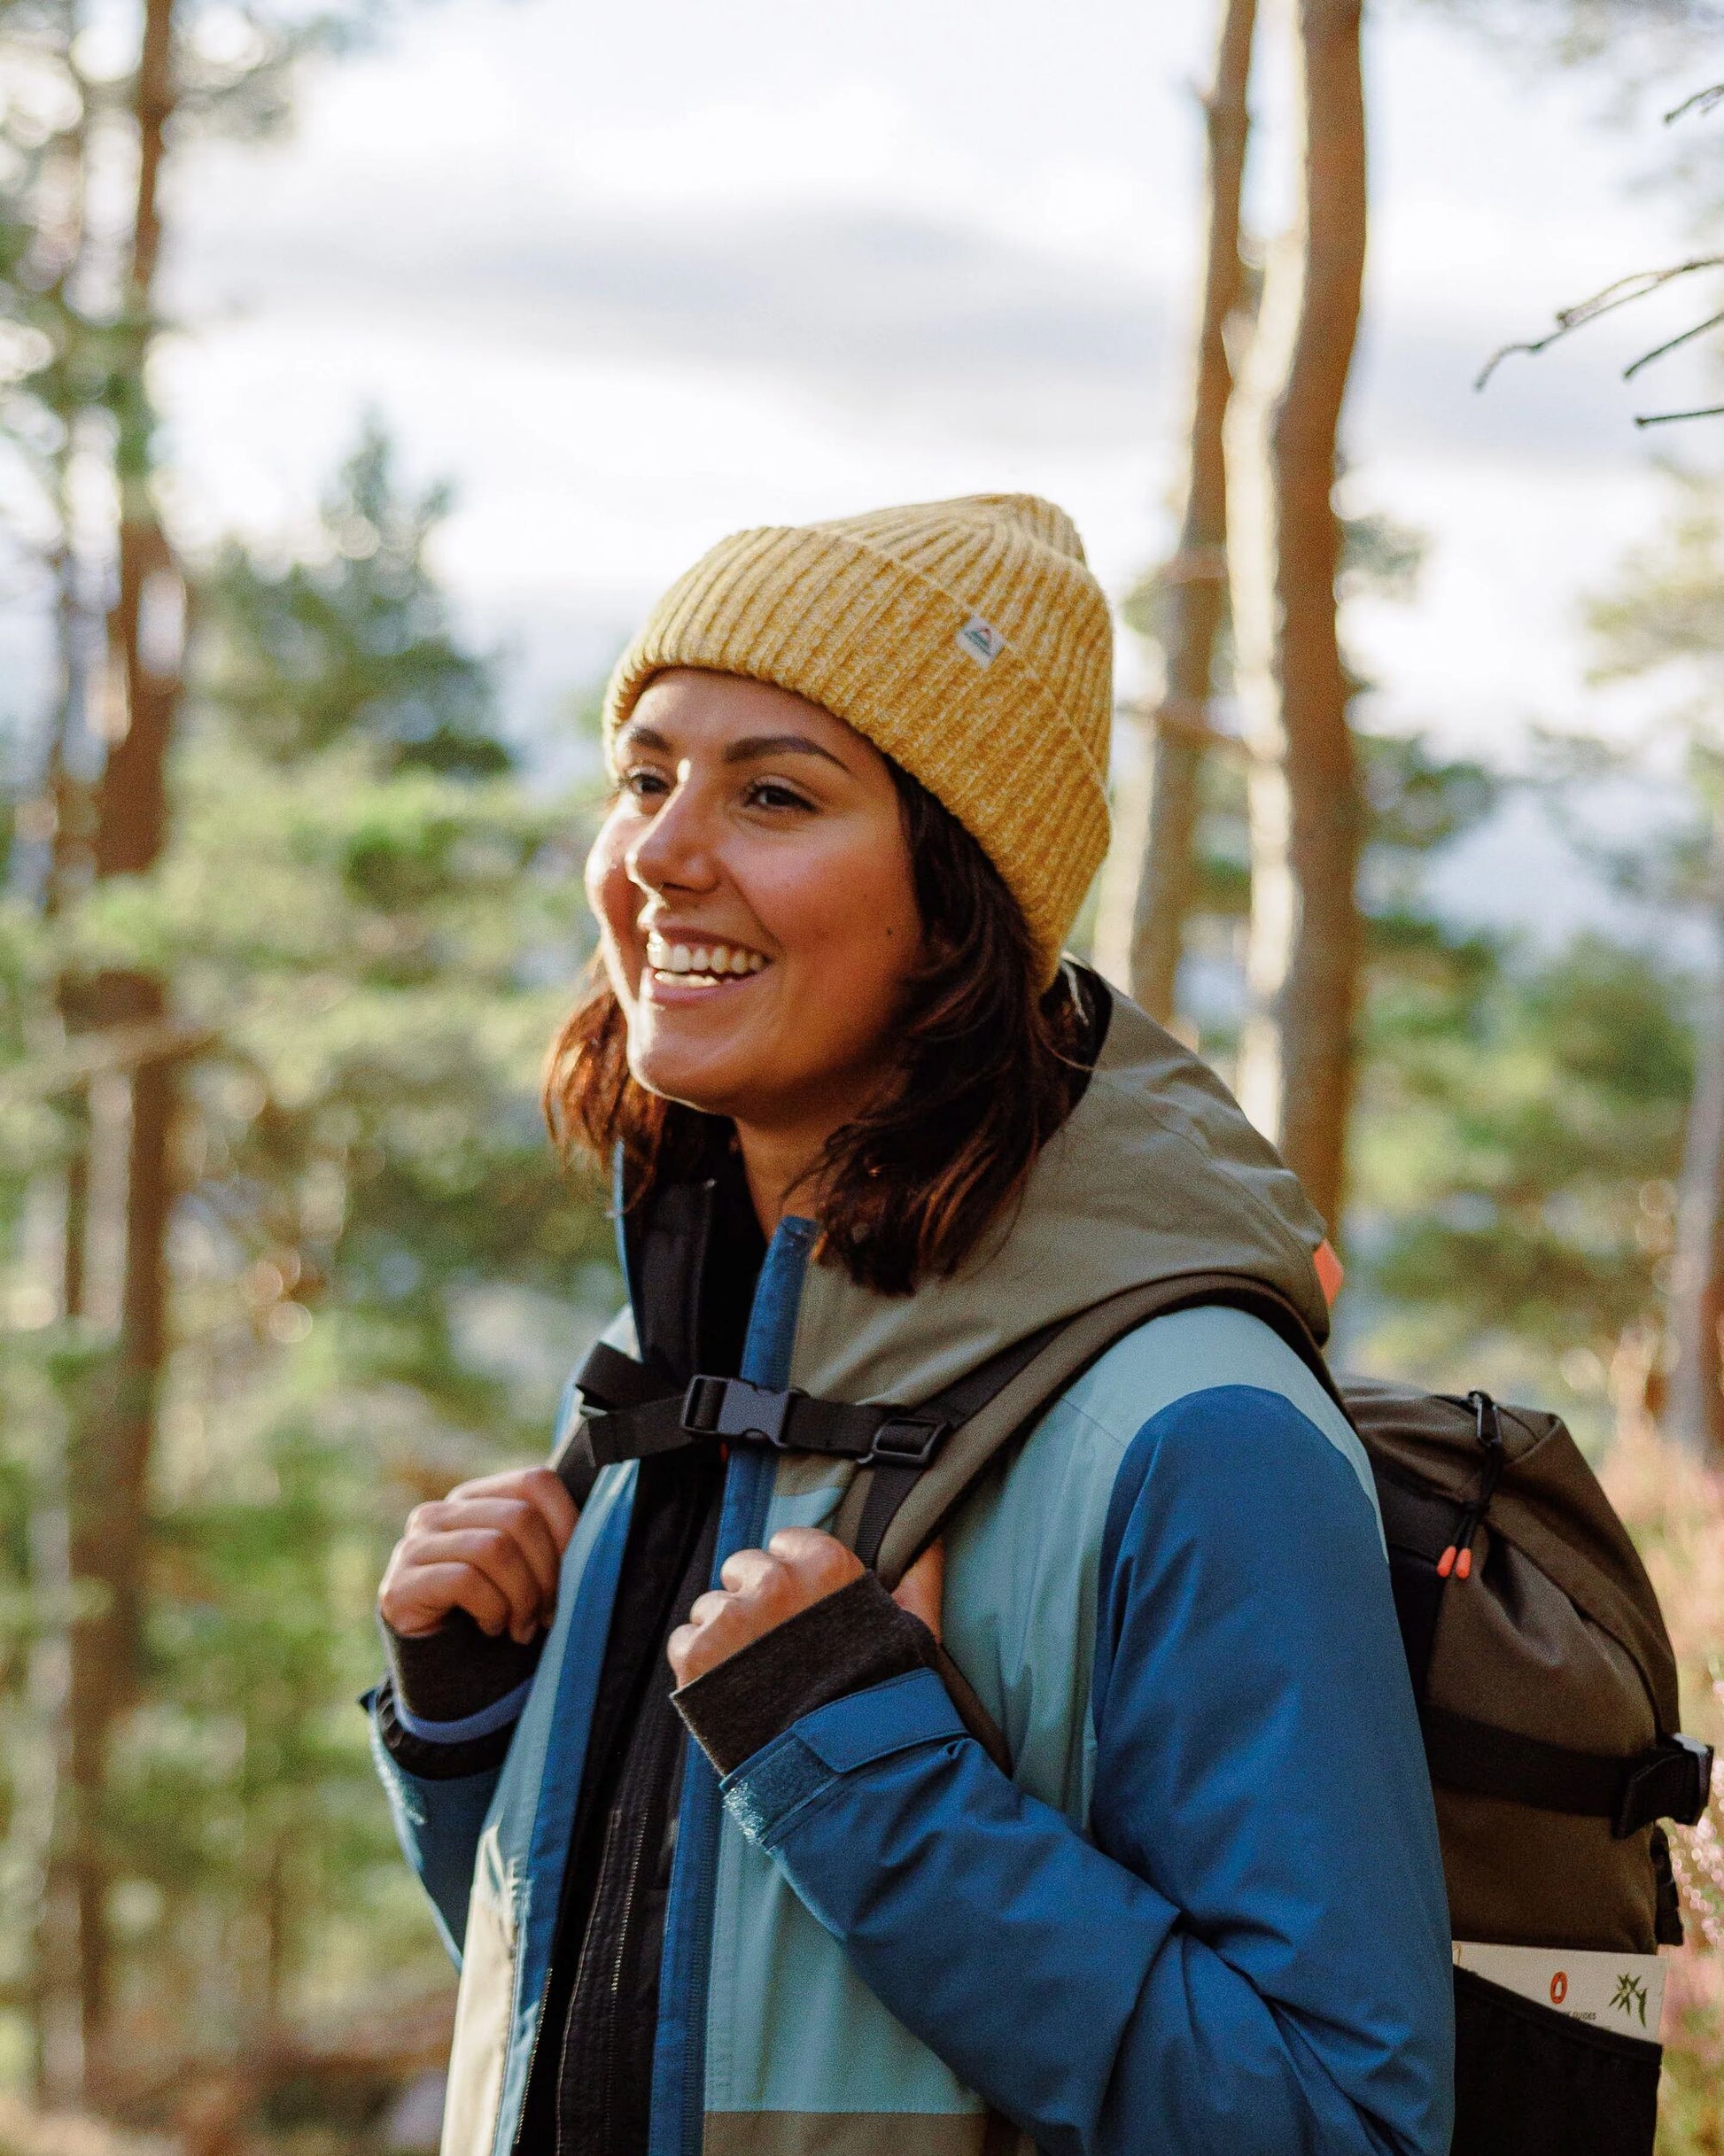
968	639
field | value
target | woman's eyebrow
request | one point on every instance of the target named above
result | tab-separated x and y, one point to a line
743	751
754	745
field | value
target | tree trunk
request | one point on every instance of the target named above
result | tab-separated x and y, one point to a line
1196	578
1296	1062
1696	1410
109	1492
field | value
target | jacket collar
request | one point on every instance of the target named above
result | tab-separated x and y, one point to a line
1154	1176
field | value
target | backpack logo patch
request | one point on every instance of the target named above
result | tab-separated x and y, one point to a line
981	640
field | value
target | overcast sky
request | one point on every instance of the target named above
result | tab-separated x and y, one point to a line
634	275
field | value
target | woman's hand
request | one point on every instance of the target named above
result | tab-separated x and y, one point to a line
492	1547
761	1588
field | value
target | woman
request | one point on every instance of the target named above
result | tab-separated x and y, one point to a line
867	1131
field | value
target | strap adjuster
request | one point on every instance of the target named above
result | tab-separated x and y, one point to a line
905	1440
1671	1782
733	1408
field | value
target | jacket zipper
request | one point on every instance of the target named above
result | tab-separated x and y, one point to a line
610	1826
625	1932
515	2146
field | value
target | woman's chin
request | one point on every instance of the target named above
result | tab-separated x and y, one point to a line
706	1083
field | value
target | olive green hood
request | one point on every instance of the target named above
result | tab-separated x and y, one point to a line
1156	1174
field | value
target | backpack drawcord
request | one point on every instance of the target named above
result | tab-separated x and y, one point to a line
1458	1558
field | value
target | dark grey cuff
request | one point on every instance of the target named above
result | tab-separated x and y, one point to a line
850	1641
433	1762
457	1671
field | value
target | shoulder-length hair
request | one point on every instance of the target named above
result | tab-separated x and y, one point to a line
987	1070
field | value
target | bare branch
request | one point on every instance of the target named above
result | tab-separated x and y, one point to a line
1623	293
1701	101
1670	345
1663	419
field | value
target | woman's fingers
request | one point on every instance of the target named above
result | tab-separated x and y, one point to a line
536	1486
493	1548
748	1570
496	1554
545	1492
760	1589
438	1588
516	1519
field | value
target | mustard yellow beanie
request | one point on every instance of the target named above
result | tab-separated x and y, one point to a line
966	639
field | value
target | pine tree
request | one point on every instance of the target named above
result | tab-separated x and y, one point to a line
379	1276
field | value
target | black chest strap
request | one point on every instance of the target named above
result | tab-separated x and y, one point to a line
932	1452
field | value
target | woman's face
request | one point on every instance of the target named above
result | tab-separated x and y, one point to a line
754	889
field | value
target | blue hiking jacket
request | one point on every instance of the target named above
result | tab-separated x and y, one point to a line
1204	1911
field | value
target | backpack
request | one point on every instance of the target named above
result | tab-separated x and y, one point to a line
1543	1675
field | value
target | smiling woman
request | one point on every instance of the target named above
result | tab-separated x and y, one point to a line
749	818
896	1058
871	1131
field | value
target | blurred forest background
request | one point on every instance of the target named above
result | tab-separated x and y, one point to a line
292	907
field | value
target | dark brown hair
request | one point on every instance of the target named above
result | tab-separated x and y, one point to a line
988	1069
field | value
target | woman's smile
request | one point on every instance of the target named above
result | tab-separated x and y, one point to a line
683	965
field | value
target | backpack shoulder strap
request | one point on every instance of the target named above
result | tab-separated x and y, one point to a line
892	1513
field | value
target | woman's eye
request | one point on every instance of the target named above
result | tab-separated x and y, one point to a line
645	785
769	794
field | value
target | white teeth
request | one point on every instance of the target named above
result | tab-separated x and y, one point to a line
707	962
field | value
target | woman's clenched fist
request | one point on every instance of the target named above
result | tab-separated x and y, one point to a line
492	1548
761	1589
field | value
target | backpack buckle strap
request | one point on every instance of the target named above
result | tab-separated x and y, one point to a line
610	1380
615	1434
907	1441
733	1408
794	1422
1672	1781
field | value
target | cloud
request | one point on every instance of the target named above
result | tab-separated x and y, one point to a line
869	306
872	307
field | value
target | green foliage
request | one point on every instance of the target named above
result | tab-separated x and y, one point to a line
1666	608
73	338
1520	1127
381	1274
357	641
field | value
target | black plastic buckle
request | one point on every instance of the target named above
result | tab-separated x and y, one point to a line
733	1408
1674	1782
906	1441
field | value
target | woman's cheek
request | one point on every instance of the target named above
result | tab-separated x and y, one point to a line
609	892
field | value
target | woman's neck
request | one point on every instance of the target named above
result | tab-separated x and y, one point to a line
782	1147
778	1166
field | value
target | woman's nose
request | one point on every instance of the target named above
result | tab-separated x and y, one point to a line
675	851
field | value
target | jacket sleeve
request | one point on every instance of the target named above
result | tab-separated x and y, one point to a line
438	1818
1250	1950
441	1722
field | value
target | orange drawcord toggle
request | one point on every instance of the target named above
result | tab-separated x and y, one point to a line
1456	1560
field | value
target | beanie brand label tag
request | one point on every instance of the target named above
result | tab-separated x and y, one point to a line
982	641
